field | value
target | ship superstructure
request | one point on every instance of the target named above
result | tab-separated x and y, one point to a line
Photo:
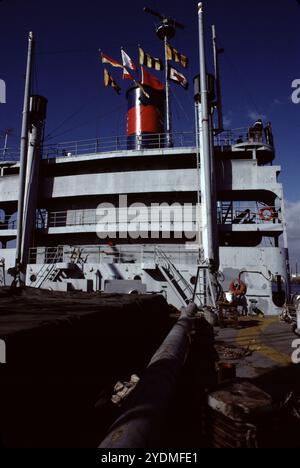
130	214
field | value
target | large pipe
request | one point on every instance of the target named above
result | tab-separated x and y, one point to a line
140	422
23	157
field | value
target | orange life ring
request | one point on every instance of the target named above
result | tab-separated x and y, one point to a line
263	216
240	291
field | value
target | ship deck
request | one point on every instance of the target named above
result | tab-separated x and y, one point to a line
265	347
65	351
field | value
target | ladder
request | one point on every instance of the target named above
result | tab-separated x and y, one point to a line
226	213
184	291
203	290
76	257
49	271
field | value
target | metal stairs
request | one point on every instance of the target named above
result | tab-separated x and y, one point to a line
76	257
226	213
185	292
48	272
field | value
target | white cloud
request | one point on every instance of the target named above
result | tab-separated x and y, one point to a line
253	115
293	229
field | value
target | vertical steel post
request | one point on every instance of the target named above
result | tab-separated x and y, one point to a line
5	142
286	248
23	157
204	144
217	52
168	105
198	155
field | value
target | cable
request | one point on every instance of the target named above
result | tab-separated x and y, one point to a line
70	117
180	105
92	51
86	123
241	80
35	84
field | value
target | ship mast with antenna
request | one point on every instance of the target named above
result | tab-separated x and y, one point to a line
23	157
166	30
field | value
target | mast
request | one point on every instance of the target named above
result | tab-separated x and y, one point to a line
166	31
23	157
204	144
168	106
5	142
7	132
217	52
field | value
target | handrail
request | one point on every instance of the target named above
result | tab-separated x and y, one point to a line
88	217
119	143
116	144
7	222
121	253
9	154
245	216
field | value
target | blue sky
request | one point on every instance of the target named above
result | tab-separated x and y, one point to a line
261	60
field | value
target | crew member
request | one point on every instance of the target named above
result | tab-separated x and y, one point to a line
256	132
239	290
269	134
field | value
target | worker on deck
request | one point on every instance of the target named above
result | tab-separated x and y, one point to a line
256	132
239	290
269	134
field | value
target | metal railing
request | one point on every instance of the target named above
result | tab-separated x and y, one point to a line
235	217
90	217
140	142
9	154
7	222
72	218
46	255
109	254
243	135
118	143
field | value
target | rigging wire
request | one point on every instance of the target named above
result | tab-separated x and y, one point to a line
242	82
35	84
98	117
180	105
92	51
67	119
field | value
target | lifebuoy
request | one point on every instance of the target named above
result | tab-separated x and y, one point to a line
238	288
266	214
